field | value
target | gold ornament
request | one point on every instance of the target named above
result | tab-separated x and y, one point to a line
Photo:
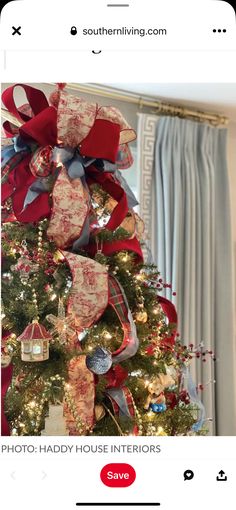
141	316
99	412
161	432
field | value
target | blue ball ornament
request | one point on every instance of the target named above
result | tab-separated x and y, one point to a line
158	408
100	361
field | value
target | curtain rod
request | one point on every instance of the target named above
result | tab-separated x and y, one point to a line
158	106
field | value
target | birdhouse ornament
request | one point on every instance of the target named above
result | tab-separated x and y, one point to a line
35	342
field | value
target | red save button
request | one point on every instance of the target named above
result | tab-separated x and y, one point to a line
118	475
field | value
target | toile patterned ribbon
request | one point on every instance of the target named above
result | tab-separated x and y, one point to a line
71	206
76	167
79	408
87	301
77	119
88	297
91	292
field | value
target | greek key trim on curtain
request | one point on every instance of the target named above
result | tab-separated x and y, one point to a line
146	145
184	200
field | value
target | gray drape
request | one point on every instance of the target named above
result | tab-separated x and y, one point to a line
184	200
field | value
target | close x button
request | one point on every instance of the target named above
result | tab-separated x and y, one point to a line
16	30
118	475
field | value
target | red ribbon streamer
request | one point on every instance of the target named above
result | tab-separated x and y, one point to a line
36	98
6	377
116	376
19	180
169	309
108	249
42	126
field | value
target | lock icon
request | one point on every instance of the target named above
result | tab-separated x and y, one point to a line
73	30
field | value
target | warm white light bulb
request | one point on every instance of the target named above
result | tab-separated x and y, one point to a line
107	335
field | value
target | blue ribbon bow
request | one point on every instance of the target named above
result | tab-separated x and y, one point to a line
76	167
194	397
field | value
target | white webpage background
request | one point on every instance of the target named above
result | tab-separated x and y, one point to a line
57	481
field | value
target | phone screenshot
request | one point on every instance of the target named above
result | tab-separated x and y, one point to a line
118	239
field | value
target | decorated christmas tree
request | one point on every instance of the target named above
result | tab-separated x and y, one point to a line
89	344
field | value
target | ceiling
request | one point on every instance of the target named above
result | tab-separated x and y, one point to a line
215	97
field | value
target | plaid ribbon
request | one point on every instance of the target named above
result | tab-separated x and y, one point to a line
124	394
121	397
117	299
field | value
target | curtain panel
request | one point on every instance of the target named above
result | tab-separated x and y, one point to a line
184	201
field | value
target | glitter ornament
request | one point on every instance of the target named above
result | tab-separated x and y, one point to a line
100	361
34	342
141	316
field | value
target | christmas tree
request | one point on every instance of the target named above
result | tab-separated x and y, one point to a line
89	344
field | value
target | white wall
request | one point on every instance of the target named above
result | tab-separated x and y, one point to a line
232	183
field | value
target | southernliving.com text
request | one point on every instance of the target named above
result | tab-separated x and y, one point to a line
124	31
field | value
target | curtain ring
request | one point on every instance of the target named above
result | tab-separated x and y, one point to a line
140	103
158	108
